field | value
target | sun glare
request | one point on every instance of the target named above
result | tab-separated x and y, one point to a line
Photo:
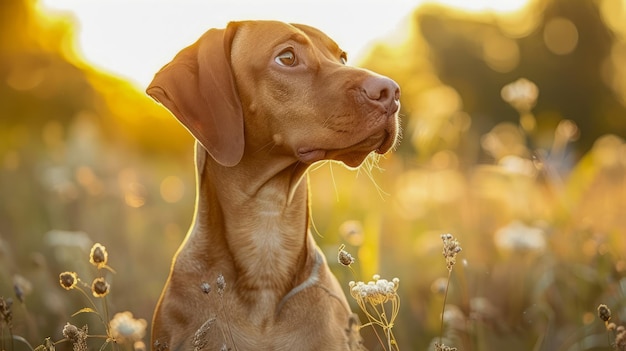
134	38
484	5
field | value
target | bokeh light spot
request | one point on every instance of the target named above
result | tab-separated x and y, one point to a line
172	189
500	53
560	35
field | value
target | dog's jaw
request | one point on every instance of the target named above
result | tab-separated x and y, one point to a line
381	140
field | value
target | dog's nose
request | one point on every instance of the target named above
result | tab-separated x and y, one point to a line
383	90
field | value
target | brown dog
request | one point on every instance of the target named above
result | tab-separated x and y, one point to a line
264	100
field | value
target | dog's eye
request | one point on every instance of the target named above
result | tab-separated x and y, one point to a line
286	58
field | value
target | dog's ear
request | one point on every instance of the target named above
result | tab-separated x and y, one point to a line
198	88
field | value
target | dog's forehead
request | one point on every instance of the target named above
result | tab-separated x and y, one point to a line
273	33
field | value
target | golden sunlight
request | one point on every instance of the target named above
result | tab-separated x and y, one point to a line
513	143
134	38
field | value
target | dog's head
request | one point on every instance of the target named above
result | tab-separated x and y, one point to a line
265	85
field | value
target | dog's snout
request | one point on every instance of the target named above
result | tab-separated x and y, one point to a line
384	91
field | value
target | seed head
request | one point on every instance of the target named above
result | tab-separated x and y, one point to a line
221	284
68	280
604	313
206	287
5	311
442	347
451	248
78	337
344	256
620	340
98	255
200	339
99	287
160	346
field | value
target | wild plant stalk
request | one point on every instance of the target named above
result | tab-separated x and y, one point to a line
93	308
371	298
619	332
6	313
443	308
122	328
221	285
451	248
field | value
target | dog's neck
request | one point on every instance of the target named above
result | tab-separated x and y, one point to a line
261	211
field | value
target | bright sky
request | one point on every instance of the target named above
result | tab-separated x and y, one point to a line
135	38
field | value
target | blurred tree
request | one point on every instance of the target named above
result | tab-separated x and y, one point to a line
84	154
564	54
563	46
43	79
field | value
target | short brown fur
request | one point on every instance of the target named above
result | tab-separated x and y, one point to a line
260	123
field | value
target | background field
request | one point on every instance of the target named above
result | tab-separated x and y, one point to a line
533	188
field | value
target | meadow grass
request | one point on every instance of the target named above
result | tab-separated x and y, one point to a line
542	231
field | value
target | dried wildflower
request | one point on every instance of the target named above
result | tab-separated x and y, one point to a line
126	329
100	287
375	292
344	256
98	255
372	297
5	311
70	331
48	345
206	287
451	248
68	280
160	346
442	347
221	284
620	339
199	340
78	337
604	313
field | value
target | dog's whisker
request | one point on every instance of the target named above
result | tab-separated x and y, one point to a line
314	227
370	163
318	166
326	121
332	177
269	146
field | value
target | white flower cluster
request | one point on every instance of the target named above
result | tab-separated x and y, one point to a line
376	292
125	328
519	237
